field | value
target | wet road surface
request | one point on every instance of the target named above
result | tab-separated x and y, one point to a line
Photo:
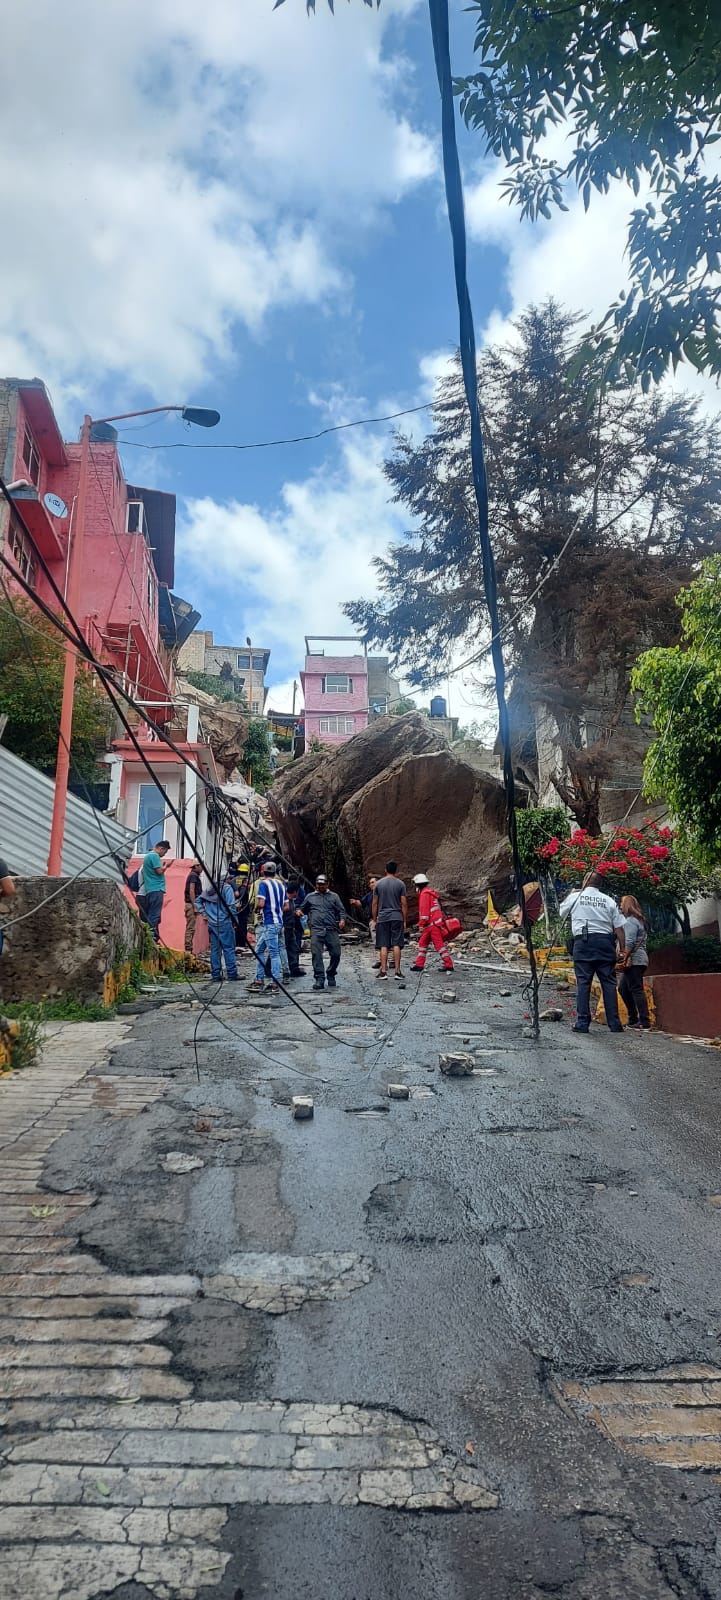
461	1345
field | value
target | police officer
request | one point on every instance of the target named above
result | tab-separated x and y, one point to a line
596	925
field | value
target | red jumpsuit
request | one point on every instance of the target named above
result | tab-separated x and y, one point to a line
431	919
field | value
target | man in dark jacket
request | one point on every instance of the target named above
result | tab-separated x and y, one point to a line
293	928
326	915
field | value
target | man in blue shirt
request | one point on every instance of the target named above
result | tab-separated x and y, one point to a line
219	912
155	866
270	900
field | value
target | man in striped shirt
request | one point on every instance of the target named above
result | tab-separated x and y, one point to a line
270	899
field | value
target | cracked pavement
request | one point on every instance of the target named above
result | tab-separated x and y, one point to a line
459	1345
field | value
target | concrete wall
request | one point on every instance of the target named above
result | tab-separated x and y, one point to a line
688	1003
73	945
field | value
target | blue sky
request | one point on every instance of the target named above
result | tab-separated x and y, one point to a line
243	208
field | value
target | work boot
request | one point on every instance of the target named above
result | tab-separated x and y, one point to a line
319	983
447	966
420	966
331	983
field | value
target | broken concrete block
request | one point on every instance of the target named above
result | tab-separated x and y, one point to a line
456	1065
448	996
527	1032
398	1091
180	1161
505	993
302	1107
551	1014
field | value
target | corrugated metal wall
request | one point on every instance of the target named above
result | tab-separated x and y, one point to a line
26	804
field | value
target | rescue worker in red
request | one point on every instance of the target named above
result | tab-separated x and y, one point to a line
432	925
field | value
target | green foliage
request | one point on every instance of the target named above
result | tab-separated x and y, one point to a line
680	690
31	688
64	1009
256	756
221	688
637	93
401	708
537	827
25	1045
703	953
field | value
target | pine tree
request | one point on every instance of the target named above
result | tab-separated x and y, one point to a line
602	502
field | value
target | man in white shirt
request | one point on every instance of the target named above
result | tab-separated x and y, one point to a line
596	925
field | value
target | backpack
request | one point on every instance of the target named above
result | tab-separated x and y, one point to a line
134	882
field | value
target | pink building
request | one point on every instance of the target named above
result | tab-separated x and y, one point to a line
335	690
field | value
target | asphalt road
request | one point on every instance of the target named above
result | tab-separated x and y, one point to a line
480	1259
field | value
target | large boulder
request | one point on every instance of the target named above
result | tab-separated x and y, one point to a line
396	791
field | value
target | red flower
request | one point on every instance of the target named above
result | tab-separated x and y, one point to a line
636	833
621	844
579	837
621	866
605	866
658	852
634	856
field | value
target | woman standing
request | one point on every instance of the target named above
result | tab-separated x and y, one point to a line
635	961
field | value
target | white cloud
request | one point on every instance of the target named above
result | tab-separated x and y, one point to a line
176	170
286	571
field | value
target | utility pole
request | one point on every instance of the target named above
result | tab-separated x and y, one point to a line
250	679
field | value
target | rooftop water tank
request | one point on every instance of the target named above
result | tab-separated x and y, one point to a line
438	706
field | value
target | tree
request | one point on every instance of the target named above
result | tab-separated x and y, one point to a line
31	689
538	828
602	501
680	689
256	755
636	90
222	688
400	708
648	862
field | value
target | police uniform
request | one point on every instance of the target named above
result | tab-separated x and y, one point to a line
595	917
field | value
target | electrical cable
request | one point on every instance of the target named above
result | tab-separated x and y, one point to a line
301	438
439	19
112	688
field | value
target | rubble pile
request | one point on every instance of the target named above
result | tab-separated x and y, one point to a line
396	791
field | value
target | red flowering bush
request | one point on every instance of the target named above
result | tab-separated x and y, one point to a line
643	862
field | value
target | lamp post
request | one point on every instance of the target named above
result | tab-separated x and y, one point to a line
250	677
202	419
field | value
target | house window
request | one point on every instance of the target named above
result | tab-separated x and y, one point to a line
22	554
151	817
337	725
31	457
244	661
135	518
337	683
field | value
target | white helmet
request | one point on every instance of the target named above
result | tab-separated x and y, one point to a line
420	879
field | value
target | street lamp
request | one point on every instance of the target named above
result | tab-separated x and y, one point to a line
202	418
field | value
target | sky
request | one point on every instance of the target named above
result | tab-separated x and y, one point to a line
241	207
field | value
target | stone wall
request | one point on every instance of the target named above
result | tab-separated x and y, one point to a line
76	945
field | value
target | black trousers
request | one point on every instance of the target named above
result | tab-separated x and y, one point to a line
294	942
595	957
633	994
331	942
241	928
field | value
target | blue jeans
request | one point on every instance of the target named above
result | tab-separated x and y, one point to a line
266	948
153	907
222	939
